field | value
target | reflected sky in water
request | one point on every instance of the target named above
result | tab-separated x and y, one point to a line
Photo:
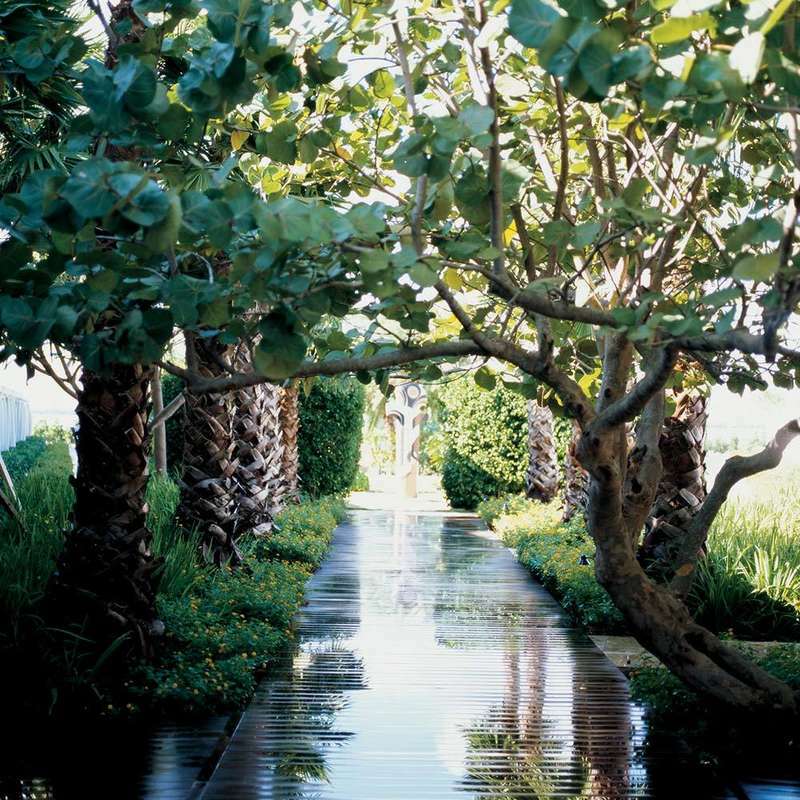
432	666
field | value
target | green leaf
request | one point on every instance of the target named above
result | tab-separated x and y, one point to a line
281	142
382	84
423	274
759	267
476	118
282	347
676	29
485	379
746	56
531	21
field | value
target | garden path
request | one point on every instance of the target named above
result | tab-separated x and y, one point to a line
432	666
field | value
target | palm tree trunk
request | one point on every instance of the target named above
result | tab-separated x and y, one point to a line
682	488
576	480
209	491
104	584
541	479
290	425
258	440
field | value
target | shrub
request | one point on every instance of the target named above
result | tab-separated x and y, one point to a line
560	555
171	387
486	442
52	432
29	546
302	532
20	458
493	508
329	440
711	734
361	482
227	626
749	581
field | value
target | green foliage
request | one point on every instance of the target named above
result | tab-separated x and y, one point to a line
554	552
176	548
21	458
29	547
225	627
171	387
361	482
749	582
302	532
53	432
329	440
714	737
486	437
493	508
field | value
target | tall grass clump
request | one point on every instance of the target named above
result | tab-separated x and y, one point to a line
176	548
749	581
30	543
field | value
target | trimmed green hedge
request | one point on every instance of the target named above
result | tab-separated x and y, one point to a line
486	443
23	455
171	387
560	555
329	441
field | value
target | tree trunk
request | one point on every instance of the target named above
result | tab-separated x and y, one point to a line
290	425
656	617
541	479
682	488
159	431
259	452
209	491
575	480
104	583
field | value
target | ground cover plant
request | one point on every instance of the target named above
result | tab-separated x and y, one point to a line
223	627
748	583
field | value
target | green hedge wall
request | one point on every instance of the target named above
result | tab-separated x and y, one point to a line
171	387
329	442
486	442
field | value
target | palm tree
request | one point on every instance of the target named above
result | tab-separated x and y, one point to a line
36	103
290	425
682	488
576	479
258	439
209	491
541	479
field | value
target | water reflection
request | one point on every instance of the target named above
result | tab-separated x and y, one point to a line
432	667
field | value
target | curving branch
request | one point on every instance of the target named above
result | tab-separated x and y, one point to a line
735	469
335	366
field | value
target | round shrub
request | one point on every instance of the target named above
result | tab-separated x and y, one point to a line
486	443
329	441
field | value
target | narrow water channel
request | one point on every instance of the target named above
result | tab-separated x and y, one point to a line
432	666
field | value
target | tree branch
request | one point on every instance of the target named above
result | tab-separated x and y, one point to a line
735	469
335	366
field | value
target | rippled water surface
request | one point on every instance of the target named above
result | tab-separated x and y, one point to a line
431	666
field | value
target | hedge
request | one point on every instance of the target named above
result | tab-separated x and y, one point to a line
329	441
171	387
486	452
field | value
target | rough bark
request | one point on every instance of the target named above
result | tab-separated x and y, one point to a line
209	491
655	616
575	480
290	461
104	583
541	478
682	488
258	439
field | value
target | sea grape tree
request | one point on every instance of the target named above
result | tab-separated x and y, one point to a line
595	202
